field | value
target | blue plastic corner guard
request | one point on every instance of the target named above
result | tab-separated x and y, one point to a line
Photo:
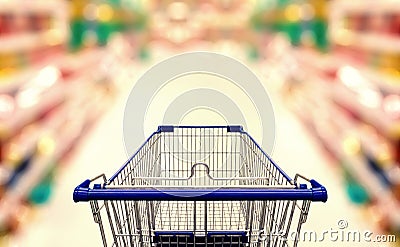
235	128
319	191
81	191
165	128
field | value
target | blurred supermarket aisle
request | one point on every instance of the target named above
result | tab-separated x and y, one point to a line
331	68
65	223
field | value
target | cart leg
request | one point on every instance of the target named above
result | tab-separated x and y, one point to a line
116	206
149	206
97	218
302	219
130	222
111	222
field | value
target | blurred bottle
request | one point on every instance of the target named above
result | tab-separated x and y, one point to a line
355	191
320	24
105	22
77	24
41	193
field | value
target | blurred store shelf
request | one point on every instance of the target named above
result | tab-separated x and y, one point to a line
49	98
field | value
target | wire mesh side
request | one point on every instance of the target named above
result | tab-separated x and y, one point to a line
257	164
172	157
144	163
243	223
185	147
124	223
201	216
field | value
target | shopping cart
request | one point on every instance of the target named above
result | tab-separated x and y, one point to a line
200	186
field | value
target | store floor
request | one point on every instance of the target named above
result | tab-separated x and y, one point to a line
64	223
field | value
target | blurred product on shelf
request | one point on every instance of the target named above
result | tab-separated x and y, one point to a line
186	25
96	21
31	146
304	22
369	34
29	35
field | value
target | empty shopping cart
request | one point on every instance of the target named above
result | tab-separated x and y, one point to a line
200	186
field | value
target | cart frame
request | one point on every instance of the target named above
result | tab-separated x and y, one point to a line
200	185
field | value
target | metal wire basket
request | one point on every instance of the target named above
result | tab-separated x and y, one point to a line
203	186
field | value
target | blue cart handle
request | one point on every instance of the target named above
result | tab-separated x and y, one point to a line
83	192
